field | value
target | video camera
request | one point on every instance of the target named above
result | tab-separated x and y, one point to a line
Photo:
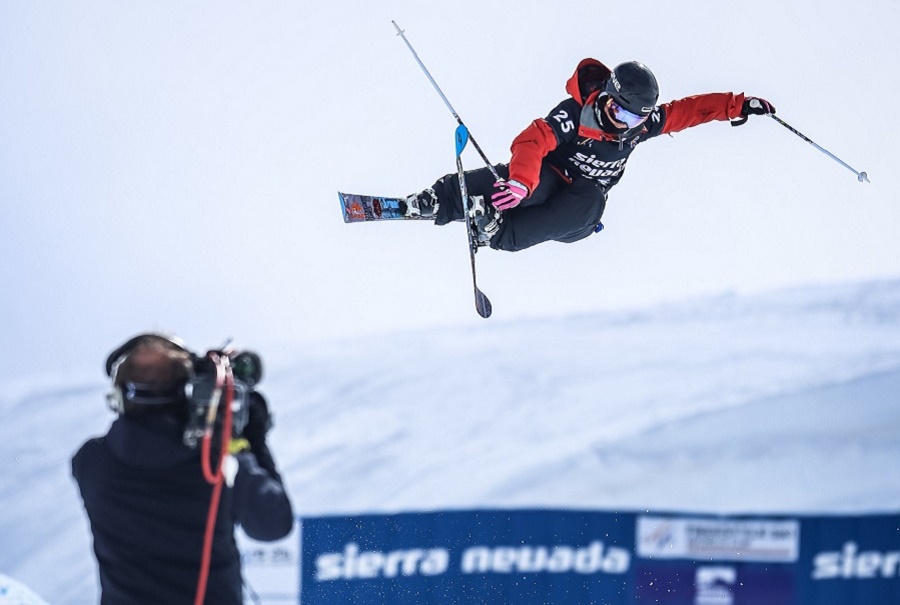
203	392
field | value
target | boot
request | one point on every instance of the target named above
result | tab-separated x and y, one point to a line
423	205
484	218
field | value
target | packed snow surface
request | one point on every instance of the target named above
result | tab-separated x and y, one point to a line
785	402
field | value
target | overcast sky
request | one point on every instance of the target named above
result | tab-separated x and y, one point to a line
174	165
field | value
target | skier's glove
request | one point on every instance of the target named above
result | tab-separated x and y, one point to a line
753	106
509	195
756	106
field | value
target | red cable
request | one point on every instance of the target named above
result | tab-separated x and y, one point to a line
218	479
207	544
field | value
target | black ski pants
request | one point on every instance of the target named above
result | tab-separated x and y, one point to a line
555	211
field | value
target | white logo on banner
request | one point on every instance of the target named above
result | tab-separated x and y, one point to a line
272	565
536	559
356	564
714	585
724	539
850	563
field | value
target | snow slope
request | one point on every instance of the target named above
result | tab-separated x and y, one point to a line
784	402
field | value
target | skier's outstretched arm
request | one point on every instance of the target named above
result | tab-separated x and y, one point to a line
700	109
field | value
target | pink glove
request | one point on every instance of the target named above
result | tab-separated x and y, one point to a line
510	194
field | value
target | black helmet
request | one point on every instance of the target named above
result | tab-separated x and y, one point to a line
634	87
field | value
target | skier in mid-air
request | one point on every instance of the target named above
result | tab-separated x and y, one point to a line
555	185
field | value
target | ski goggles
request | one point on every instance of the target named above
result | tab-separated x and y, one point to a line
621	114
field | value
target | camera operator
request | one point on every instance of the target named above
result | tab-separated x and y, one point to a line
146	495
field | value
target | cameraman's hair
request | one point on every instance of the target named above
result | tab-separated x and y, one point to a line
154	361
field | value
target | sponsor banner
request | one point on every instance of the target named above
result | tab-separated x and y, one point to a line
688	583
549	556
718	539
522	557
271	570
850	560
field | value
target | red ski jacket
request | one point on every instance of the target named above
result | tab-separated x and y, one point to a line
574	143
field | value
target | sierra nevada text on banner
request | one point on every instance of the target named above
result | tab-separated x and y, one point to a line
542	557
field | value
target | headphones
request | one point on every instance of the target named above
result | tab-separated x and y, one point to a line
140	393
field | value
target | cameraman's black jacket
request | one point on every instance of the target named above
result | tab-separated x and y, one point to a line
147	502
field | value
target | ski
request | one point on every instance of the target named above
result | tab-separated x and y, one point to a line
365	208
482	302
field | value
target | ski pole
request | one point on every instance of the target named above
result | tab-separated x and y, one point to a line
446	102
860	176
482	302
